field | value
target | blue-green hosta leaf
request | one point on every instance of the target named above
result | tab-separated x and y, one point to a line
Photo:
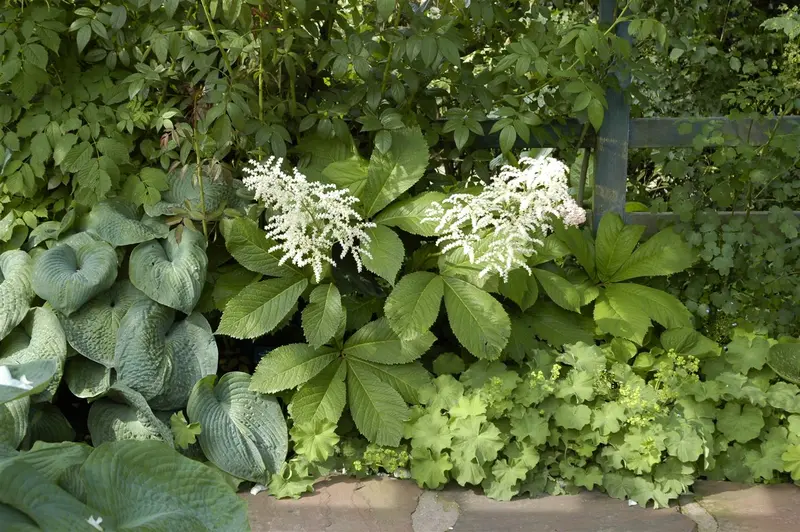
260	307
784	359
392	173
87	379
148	486
408	214
16	291
377	342
47	342
14	421
27	378
184	191
171	271
92	331
125	415
322	397
477	319
117	222
378	410
386	253
244	433
322	316
68	277
290	365
54	459
48	424
413	305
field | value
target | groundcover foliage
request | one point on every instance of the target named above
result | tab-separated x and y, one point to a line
138	288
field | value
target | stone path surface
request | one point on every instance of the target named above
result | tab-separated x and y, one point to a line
389	505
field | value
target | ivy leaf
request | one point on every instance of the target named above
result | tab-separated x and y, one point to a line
386	253
322	316
260	307
377	409
288	366
429	469
185	433
414	303
315	440
477	319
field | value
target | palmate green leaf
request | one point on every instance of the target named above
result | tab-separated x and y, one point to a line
185	433
406	379
176	493
249	246
125	415
377	342
38	373
322	397
67	276
290	365
16	291
322	316
784	359
392	173
92	330
740	423
414	303
315	440
377	409
260	307
477	319
614	244
244	432
117	222
429	469
409	214
171	271
387	253
664	253
560	290
46	341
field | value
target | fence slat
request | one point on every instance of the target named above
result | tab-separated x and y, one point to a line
681	132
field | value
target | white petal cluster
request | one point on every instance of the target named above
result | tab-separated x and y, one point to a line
7	380
503	226
305	218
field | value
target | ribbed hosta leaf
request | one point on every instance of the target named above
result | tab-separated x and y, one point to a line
14	421
92	331
140	355
192	354
244	432
117	222
48	424
125	415
47	342
184	189
176	493
16	292
38	373
87	379
171	271
67	276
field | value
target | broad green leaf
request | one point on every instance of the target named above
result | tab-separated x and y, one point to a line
249	246
614	244
184	193
560	290
14	421
664	253
16	292
581	245
387	253
230	283
171	271
521	288
68	277
413	305
125	415
322	397
27	378
477	319
92	330
176	493
784	359
290	365
322	316
396	171
116	221
377	342
43	340
244	432
260	307
48	424
377	409
687	341
407	379
456	263
409	214
87	379
558	327
350	174
625	310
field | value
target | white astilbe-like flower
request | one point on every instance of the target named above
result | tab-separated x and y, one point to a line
504	225
305	218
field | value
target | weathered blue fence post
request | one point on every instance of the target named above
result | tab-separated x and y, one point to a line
611	153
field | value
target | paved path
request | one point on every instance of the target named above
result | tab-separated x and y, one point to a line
389	505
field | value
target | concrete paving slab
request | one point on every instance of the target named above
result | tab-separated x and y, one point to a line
773	508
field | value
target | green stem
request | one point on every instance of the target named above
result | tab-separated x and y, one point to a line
216	37
199	176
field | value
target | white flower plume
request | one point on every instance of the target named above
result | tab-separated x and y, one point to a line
305	218
504	225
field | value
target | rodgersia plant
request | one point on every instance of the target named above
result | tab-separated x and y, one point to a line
306	218
509	218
